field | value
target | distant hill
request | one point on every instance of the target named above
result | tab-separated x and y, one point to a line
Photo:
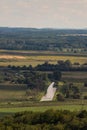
42	39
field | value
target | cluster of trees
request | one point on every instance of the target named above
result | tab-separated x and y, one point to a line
33	79
41	39
61	65
48	120
69	91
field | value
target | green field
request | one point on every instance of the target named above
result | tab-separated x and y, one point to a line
43	108
5	111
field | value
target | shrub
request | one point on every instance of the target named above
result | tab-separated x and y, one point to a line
60	97
85	97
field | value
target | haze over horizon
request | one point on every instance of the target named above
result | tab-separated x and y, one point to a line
43	14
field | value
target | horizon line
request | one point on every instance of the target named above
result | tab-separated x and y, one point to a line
41	27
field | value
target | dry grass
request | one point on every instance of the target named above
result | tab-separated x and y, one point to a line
54	59
20	58
11	57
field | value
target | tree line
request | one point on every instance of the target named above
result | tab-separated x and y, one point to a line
46	66
41	39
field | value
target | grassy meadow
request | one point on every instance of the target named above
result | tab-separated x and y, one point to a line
43	108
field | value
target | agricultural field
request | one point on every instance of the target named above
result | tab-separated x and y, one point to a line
8	108
43	108
6	95
20	58
13	107
15	99
74	76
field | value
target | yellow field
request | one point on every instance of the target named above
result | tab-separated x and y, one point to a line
54	59
11	57
27	58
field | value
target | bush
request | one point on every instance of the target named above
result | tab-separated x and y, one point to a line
76	96
85	84
60	97
85	97
48	120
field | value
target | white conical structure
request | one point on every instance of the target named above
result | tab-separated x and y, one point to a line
50	93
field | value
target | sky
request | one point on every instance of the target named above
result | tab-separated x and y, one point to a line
43	13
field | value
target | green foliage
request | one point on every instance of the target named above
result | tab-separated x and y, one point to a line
42	39
33	79
85	97
85	84
48	120
70	91
57	75
60	97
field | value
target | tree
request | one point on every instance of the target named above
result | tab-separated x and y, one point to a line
70	91
85	84
60	97
57	75
68	63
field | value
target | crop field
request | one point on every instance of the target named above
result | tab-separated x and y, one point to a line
20	58
74	76
12	95
12	110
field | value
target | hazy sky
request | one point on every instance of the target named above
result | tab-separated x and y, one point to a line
44	13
